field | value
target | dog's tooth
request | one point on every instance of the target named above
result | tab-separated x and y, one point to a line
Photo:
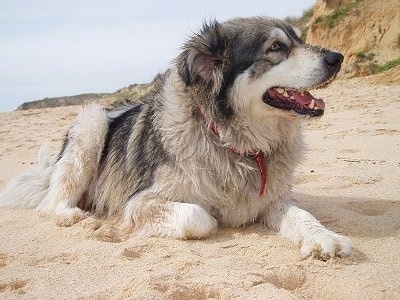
312	104
285	93
302	93
280	90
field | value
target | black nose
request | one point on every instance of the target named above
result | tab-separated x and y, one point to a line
333	59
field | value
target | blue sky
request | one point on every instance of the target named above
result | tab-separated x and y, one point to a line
51	48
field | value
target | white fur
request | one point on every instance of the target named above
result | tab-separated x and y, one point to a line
74	171
29	189
302	228
154	216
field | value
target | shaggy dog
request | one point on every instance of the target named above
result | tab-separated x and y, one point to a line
215	143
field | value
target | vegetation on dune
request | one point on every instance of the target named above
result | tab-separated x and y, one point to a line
365	55
333	18
367	59
387	66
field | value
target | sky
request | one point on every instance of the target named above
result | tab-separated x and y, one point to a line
53	48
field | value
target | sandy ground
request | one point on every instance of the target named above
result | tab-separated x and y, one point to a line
350	181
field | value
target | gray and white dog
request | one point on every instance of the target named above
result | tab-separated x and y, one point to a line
215	143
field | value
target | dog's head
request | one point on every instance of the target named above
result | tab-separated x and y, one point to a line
257	63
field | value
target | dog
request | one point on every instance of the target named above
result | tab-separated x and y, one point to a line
215	143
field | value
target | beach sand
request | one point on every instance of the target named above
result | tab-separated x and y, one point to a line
349	180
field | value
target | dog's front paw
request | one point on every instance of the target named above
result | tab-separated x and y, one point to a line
192	222
174	219
66	216
325	244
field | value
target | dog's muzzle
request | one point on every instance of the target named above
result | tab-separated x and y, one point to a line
302	102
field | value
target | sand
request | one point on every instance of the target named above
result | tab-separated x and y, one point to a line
350	181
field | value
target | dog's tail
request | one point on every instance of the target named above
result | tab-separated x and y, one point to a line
28	189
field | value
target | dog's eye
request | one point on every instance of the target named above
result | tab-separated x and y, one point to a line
276	46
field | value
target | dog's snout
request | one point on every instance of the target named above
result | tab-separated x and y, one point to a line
333	59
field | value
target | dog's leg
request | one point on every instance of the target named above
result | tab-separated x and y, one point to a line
78	164
300	227
151	215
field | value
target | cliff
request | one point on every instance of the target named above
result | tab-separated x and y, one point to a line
367	32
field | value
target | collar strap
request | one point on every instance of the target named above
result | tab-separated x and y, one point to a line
257	155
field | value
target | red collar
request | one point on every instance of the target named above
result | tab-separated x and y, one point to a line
258	156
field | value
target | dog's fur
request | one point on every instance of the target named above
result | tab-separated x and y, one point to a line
184	161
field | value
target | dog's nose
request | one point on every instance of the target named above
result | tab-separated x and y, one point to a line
333	59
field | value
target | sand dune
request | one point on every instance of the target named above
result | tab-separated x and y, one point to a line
350	181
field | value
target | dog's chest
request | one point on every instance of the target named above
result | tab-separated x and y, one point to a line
230	192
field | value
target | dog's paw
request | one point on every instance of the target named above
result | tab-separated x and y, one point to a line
325	244
192	222
66	216
177	220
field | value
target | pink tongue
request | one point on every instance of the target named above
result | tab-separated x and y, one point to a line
306	98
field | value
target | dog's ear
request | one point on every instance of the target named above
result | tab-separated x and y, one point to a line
203	56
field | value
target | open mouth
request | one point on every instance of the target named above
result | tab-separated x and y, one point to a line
301	102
